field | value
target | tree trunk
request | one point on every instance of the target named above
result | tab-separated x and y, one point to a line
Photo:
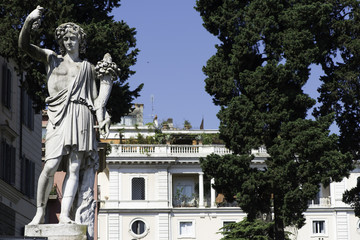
279	223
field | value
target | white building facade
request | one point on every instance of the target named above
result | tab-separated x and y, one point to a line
158	192
328	217
20	153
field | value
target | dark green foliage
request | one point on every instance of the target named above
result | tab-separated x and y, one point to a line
210	139
235	178
257	77
340	91
248	230
103	35
352	197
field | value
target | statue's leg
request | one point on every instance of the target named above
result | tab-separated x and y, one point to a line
45	184
70	186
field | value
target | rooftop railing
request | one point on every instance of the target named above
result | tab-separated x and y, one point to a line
166	150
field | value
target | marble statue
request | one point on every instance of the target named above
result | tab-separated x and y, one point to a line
72	103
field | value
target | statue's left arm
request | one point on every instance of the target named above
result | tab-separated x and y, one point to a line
94	94
93	89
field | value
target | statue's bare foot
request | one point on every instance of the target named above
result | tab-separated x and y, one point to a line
65	220
39	217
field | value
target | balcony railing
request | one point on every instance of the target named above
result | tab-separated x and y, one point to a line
320	202
166	150
187	202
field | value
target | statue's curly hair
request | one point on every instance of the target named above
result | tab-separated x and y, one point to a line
65	28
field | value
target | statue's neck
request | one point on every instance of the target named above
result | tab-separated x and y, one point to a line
73	57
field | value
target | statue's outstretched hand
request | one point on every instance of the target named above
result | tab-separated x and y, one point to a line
35	17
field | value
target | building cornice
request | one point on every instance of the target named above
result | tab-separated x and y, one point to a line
194	210
8	131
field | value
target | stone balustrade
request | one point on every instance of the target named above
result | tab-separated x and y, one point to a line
166	150
320	202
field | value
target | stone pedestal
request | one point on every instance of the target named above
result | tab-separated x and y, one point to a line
57	231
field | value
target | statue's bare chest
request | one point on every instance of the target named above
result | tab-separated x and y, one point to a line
61	75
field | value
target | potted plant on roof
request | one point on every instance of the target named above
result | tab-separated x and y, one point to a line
199	139
187	125
168	138
165	125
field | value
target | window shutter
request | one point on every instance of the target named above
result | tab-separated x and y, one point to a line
22	105
2	158
32	179
138	189
27	177
3	84
12	165
7	163
30	114
8	99
23	171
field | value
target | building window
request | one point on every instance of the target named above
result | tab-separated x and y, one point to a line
7	162
184	196
138	188
27	177
138	228
318	227
27	110
6	86
226	224
187	229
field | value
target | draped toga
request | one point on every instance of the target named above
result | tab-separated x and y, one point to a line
71	122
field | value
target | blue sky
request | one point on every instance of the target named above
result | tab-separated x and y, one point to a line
174	46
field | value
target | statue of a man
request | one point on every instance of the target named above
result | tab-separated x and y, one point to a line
70	137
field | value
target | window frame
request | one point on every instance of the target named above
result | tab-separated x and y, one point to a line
145	188
193	224
146	228
7	162
228	221
28	112
325	233
27	185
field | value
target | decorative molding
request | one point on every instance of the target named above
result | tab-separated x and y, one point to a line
8	131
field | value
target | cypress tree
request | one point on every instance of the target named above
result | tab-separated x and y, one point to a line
257	77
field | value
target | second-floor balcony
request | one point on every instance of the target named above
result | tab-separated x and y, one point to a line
320	202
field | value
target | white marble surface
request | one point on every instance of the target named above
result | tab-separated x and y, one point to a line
57	231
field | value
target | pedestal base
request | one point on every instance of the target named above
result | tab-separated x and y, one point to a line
57	231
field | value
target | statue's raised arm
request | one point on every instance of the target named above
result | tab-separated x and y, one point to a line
70	142
31	22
